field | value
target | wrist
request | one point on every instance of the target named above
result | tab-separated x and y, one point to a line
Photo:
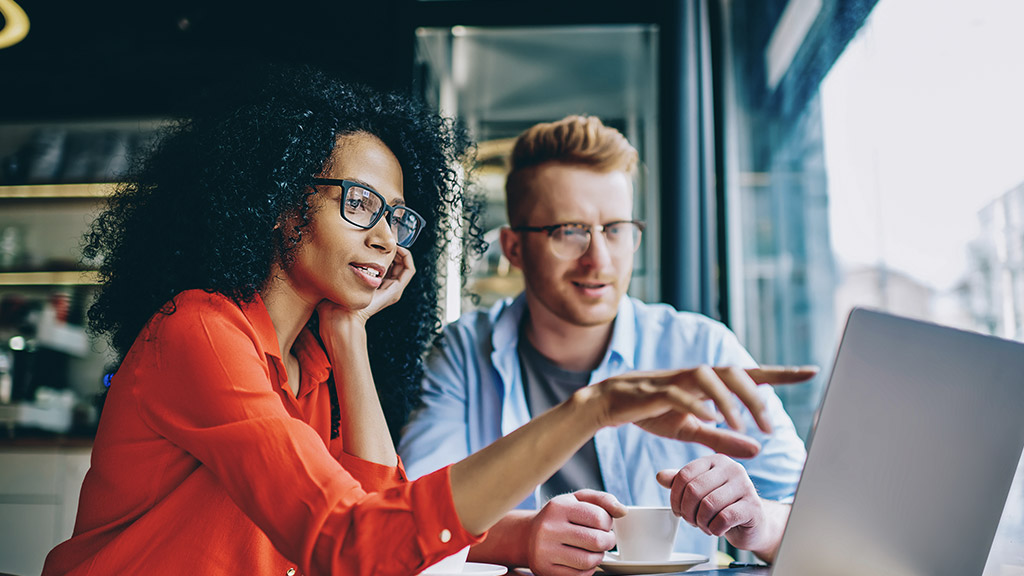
587	406
343	333
508	541
526	542
775	516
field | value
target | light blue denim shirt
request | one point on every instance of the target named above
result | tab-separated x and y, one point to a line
473	395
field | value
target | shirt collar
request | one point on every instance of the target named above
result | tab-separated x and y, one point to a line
506	318
256	312
316	366
311	355
623	342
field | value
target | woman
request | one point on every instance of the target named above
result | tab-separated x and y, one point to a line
253	270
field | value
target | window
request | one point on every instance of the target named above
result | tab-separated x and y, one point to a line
873	158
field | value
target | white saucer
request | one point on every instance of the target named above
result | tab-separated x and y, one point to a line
679	562
475	569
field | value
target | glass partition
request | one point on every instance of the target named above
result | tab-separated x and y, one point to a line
502	80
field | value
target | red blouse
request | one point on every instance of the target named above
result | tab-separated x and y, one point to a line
204	463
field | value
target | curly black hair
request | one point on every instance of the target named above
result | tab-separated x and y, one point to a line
200	211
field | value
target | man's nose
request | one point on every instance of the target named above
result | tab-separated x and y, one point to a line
598	253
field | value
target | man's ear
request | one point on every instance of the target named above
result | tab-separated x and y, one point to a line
512	246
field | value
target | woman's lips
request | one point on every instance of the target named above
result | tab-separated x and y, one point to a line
371	274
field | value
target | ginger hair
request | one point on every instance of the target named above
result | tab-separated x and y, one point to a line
574	140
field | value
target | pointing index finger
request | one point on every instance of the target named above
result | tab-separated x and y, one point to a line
782	374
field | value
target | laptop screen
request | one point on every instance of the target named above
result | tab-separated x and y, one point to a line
915	447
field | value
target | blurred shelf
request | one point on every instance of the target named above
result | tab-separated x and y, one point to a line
51	278
59	192
43	191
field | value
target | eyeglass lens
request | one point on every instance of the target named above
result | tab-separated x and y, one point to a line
573	240
364	207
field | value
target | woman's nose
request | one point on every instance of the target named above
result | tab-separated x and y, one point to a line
381	236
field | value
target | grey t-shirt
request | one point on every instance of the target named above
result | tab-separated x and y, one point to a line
545	386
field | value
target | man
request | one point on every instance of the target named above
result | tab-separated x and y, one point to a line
570	207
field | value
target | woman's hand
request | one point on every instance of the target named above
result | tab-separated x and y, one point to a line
343	332
396	279
673	403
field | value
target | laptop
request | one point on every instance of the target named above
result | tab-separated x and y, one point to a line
911	460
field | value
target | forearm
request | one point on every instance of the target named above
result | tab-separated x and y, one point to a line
363	426
507	542
492	481
671	404
776	515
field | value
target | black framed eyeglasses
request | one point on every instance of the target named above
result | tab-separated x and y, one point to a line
363	206
572	240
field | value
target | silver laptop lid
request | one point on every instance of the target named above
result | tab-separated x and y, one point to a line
916	445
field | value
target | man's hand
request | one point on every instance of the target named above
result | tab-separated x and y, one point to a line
715	494
671	403
571	533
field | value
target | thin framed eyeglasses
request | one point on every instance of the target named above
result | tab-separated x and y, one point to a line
571	240
363	206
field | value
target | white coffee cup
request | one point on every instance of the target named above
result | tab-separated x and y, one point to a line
646	533
450	565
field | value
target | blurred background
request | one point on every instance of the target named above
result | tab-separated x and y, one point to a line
799	157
